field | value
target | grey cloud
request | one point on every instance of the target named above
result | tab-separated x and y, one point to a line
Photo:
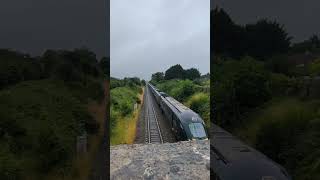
150	36
35	25
299	17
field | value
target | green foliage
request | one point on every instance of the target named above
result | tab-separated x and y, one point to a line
71	65
314	68
192	74
193	94
310	45
10	166
143	82
237	86
39	123
174	72
183	90
280	84
280	64
287	130
261	102
131	82
114	82
123	99
200	103
157	77
179	89
43	109
266	38
124	94
68	66
16	67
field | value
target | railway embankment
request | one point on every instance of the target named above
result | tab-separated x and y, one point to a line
181	160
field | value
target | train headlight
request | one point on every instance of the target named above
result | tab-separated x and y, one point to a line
194	119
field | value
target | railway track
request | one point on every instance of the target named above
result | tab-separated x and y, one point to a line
153	132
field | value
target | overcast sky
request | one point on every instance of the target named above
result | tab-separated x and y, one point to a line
149	36
299	17
35	25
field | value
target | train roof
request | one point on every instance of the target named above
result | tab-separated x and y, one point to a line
163	94
183	112
232	159
154	88
179	106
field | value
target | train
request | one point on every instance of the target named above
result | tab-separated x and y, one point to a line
185	123
230	158
233	159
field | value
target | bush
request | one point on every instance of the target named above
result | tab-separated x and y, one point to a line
200	103
122	102
279	84
123	99
179	89
39	123
10	167
16	67
237	87
287	131
183	90
314	68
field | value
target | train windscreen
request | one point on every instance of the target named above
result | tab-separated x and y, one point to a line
197	130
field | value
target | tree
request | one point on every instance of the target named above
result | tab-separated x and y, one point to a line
309	45
314	40
143	82
192	74
175	72
266	38
237	86
134	81
105	65
157	77
260	40
227	37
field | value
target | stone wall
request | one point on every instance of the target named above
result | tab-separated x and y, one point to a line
182	160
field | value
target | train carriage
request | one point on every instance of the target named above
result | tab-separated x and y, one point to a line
156	93
231	158
185	123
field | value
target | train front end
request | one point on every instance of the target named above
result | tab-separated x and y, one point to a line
194	126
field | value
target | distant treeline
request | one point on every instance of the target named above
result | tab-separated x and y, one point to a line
66	65
176	72
127	81
261	40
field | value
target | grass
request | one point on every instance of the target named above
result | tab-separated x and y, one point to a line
277	110
124	130
287	130
83	165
